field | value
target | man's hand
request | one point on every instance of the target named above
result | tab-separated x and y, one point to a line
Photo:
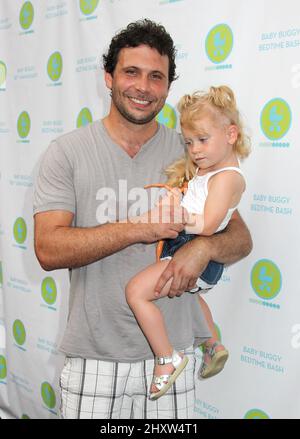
227	247
185	267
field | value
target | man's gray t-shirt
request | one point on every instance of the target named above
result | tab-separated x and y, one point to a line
86	173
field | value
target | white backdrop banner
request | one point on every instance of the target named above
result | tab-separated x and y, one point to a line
51	81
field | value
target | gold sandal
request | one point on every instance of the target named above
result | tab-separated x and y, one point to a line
217	361
164	382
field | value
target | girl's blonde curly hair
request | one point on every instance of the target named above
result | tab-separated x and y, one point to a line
219	102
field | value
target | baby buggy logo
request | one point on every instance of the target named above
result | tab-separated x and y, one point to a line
3	369
256	414
84	118
20	231
275	121
87	7
218	46
26	17
49	291
19	334
54	68
23	126
48	396
3	73
167	116
266	282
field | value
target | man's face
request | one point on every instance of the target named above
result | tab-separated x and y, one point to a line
139	84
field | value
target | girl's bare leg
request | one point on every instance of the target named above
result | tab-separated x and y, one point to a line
212	328
209	320
140	297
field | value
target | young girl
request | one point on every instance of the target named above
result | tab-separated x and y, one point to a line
214	138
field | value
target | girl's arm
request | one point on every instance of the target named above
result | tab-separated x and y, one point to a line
224	192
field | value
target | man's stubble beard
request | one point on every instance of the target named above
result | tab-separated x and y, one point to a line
130	117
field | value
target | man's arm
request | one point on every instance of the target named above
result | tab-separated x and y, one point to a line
233	244
227	247
59	245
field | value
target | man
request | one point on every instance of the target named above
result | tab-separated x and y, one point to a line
89	218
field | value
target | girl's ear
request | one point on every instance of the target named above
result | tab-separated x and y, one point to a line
232	134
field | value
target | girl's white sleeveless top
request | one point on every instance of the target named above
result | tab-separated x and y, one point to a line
195	197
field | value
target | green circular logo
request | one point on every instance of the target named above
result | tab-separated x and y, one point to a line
3	370
3	72
256	414
87	7
49	291
20	230
84	118
275	119
19	332
266	279
218	43
54	66
48	395
26	15
23	124
167	116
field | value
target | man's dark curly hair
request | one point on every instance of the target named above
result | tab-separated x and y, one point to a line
142	32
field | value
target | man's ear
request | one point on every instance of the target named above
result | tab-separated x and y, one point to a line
108	80
232	134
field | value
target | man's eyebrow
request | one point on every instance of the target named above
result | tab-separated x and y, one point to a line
139	68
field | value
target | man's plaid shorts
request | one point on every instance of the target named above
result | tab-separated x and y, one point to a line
94	389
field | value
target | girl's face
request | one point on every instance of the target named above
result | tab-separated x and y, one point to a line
210	147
